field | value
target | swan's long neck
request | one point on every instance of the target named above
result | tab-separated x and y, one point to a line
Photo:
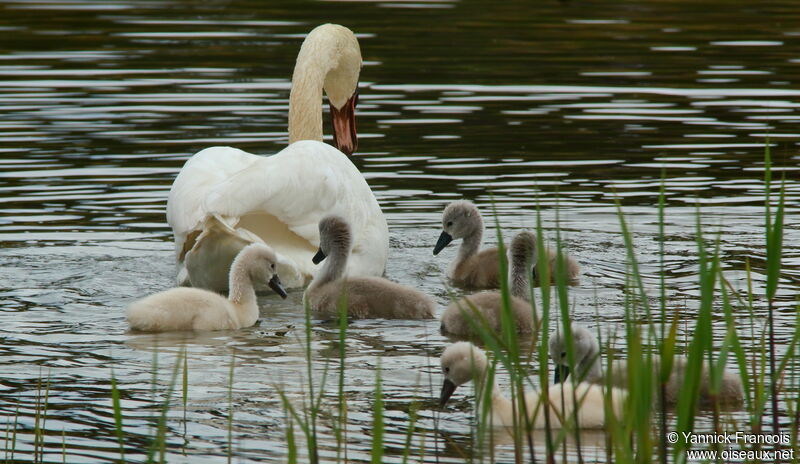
241	291
335	265
522	256
520	275
329	59
471	243
305	100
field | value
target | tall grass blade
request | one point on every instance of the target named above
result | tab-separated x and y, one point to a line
230	405
341	429
310	424
14	433
377	421
700	343
115	402
159	444
291	446
774	232
668	344
185	391
412	422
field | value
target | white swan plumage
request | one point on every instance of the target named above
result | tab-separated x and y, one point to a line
225	198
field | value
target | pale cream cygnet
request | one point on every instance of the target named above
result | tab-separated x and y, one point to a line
481	269
462	362
184	308
365	297
588	368
460	318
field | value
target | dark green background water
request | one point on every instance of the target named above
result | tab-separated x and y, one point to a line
565	105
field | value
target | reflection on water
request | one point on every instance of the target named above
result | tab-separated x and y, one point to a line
566	106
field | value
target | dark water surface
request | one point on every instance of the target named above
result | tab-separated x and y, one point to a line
568	106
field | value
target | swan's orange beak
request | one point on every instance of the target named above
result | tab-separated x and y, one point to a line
344	126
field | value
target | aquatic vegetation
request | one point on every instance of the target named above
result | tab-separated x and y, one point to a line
730	328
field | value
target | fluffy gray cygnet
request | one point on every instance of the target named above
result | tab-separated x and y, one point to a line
365	297
588	368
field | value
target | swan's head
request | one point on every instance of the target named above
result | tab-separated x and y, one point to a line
460	219
261	262
461	362
334	235
338	54
585	352
332	55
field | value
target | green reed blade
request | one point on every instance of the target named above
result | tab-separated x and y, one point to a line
700	343
377	420
115	401
291	446
341	430
412	422
735	342
230	405
159	443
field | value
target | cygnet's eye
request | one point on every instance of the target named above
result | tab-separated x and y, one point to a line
449	223
563	354
272	266
446	370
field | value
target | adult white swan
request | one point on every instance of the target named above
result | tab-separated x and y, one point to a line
225	198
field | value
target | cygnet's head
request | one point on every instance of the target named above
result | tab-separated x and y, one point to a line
334	235
460	219
461	362
585	350
261	264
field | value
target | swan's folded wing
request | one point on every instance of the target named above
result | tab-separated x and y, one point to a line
298	186
201	173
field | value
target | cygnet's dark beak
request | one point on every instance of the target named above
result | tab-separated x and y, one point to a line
560	373
443	241
318	257
448	387
276	286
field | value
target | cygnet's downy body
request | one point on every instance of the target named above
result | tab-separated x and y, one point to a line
588	368
474	269
364	297
185	308
463	315
463	362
